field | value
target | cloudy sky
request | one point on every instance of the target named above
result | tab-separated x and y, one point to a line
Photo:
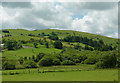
93	17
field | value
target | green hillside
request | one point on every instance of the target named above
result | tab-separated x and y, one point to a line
61	34
57	51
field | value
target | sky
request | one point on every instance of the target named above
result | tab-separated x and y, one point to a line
92	17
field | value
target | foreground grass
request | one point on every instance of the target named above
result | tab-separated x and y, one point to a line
96	75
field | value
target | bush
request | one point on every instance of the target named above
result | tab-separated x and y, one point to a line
39	56
90	60
76	60
49	61
12	45
107	61
58	45
30	64
67	62
35	45
56	61
8	66
5	31
21	60
99	65
118	62
47	45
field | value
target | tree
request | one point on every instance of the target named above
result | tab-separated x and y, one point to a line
53	37
46	61
35	45
33	58
25	58
107	61
32	40
30	64
39	56
53	33
90	60
5	31
21	60
21	34
12	45
8	66
58	45
42	33
39	34
56	61
118	62
68	62
49	61
31	35
47	45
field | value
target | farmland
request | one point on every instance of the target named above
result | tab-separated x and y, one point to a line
58	55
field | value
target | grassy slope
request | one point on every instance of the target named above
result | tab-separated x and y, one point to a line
61	33
14	55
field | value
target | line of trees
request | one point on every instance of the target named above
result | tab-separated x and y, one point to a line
100	60
98	45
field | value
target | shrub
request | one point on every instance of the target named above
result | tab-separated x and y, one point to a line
30	64
52	37
99	65
12	45
21	60
25	58
76	60
39	56
47	45
107	61
35	45
11	73
67	62
90	60
49	61
8	66
118	62
5	31
58	45
56	61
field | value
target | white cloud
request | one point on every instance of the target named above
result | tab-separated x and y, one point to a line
40	16
104	22
97	17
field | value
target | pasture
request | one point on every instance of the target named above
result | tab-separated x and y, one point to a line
96	75
83	60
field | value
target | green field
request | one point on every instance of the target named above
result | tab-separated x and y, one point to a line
97	75
14	55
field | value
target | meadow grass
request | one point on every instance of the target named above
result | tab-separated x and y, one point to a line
61	34
28	52
96	75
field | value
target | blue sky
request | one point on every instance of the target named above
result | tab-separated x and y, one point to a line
77	16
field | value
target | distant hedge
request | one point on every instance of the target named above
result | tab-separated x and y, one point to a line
5	31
